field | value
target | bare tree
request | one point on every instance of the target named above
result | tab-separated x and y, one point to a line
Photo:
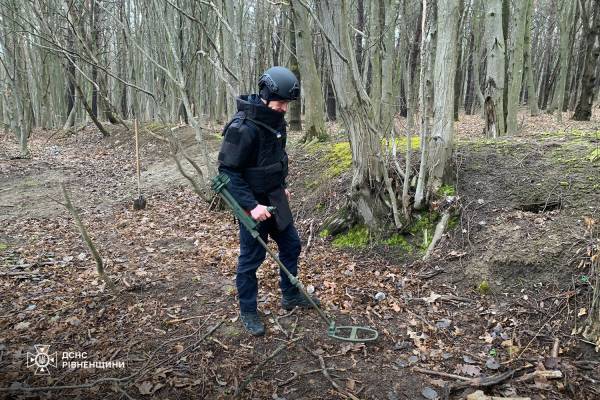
591	28
369	171
515	65
442	133
494	80
314	123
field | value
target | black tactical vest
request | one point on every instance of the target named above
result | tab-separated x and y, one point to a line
265	162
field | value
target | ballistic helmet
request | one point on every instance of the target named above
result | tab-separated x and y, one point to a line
278	83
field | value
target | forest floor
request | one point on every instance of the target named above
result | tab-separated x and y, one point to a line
504	296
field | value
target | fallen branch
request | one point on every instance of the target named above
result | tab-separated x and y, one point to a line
440	373
173	321
439	231
296	375
87	240
551	374
330	379
310	235
486	381
240	389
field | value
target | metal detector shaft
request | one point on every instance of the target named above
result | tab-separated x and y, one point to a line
294	280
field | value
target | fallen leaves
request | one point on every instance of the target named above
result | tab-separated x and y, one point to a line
468	370
432	297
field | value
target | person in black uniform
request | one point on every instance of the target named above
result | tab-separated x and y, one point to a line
253	156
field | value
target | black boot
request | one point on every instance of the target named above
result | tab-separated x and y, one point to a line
252	323
293	298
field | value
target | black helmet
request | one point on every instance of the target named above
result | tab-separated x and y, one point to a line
279	83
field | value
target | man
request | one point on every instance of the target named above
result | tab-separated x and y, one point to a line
253	156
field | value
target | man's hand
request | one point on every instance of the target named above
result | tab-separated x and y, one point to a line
260	213
288	194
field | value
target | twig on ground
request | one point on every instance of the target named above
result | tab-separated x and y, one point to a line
537	333
310	235
88	241
440	373
296	375
551	374
487	381
439	231
240	389
172	321
330	379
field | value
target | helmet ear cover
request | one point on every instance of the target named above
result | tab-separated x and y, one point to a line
294	92
266	80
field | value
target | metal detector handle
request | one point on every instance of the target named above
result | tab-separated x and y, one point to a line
218	185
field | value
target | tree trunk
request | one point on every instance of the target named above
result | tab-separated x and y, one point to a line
374	87
478	28
388	14
532	99
295	110
426	92
567	12
369	172
314	117
494	81
515	69
591	24
458	78
93	46
442	133
358	37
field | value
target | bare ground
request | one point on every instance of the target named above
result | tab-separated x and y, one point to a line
521	229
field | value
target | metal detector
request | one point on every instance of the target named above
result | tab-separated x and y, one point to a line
345	333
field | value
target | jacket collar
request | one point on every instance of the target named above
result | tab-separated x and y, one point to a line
254	108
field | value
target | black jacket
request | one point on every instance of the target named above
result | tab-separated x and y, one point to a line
253	153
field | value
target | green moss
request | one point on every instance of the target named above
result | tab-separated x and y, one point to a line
397	240
3	246
324	233
595	155
415	143
453	222
425	220
424	225
572	132
339	158
357	237
483	287
313	147
155	126
447	190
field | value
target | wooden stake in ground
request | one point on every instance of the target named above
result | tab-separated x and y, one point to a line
86	239
140	202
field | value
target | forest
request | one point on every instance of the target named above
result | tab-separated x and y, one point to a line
444	181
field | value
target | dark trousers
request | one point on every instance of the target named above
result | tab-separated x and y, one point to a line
252	254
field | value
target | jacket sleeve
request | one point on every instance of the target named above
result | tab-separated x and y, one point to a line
238	144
